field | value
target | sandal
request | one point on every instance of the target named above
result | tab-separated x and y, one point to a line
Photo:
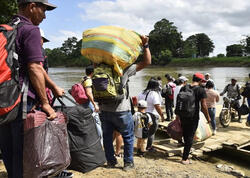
120	155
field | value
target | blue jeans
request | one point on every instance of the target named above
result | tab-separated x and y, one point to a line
212	112
122	122
248	118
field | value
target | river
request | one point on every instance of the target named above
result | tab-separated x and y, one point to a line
66	77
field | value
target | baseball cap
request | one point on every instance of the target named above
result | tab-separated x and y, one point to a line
208	74
45	2
43	36
200	76
142	104
183	78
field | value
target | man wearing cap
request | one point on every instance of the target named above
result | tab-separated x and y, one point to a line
208	78
189	125
233	91
28	47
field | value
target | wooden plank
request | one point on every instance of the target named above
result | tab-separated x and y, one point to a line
206	149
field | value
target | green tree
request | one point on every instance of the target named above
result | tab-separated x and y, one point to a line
165	57
69	46
235	50
165	36
8	9
189	47
202	43
220	55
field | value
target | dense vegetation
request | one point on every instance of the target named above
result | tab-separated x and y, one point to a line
166	44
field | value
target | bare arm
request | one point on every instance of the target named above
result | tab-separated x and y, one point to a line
158	109
39	79
146	55
91	98
204	109
217	98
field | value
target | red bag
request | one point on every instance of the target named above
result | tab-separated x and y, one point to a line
79	93
46	149
174	129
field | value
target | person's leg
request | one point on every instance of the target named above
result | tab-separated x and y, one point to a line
124	123
118	142
151	134
171	109
108	128
139	145
248	118
6	147
143	145
211	112
189	127
167	106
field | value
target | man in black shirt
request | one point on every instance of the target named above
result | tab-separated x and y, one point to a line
189	125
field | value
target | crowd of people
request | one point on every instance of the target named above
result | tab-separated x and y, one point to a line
116	119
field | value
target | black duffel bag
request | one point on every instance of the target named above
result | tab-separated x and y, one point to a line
243	110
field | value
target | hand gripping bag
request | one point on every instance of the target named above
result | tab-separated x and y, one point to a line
46	148
112	45
203	131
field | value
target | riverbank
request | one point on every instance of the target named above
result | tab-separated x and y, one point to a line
211	61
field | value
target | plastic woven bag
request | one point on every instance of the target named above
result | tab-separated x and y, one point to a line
111	45
203	131
174	129
46	148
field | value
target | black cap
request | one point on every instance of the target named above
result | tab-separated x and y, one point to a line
45	2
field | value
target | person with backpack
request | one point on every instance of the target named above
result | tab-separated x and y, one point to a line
246	95
168	94
187	108
28	48
143	122
233	91
87	85
153	97
117	115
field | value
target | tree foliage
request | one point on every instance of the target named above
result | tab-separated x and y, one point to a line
201	44
8	9
165	36
235	50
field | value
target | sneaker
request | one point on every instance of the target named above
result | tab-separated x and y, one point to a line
151	149
128	166
64	174
214	132
111	164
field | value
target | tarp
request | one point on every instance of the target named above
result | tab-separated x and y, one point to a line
112	45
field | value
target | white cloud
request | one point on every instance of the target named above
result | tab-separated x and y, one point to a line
63	35
223	21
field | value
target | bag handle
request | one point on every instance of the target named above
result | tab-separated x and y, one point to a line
61	102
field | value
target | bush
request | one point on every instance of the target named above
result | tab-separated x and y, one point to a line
221	55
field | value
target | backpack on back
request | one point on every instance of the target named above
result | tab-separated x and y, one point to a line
185	105
79	94
10	91
107	86
166	91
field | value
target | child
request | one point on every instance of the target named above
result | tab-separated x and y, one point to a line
142	123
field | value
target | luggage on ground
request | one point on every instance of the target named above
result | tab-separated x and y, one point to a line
185	104
203	131
85	146
174	130
115	46
10	90
46	148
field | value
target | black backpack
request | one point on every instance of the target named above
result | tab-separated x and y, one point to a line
10	91
185	105
246	91
166	91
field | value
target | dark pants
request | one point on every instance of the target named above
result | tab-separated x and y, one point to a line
11	145
151	134
189	127
169	108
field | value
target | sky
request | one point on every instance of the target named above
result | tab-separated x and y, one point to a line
226	22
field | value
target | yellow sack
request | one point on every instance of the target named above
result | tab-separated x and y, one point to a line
111	45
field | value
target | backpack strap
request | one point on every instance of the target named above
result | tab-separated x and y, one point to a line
147	96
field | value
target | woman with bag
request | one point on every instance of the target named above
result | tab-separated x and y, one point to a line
153	97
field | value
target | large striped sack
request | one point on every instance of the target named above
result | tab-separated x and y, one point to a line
203	131
114	46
